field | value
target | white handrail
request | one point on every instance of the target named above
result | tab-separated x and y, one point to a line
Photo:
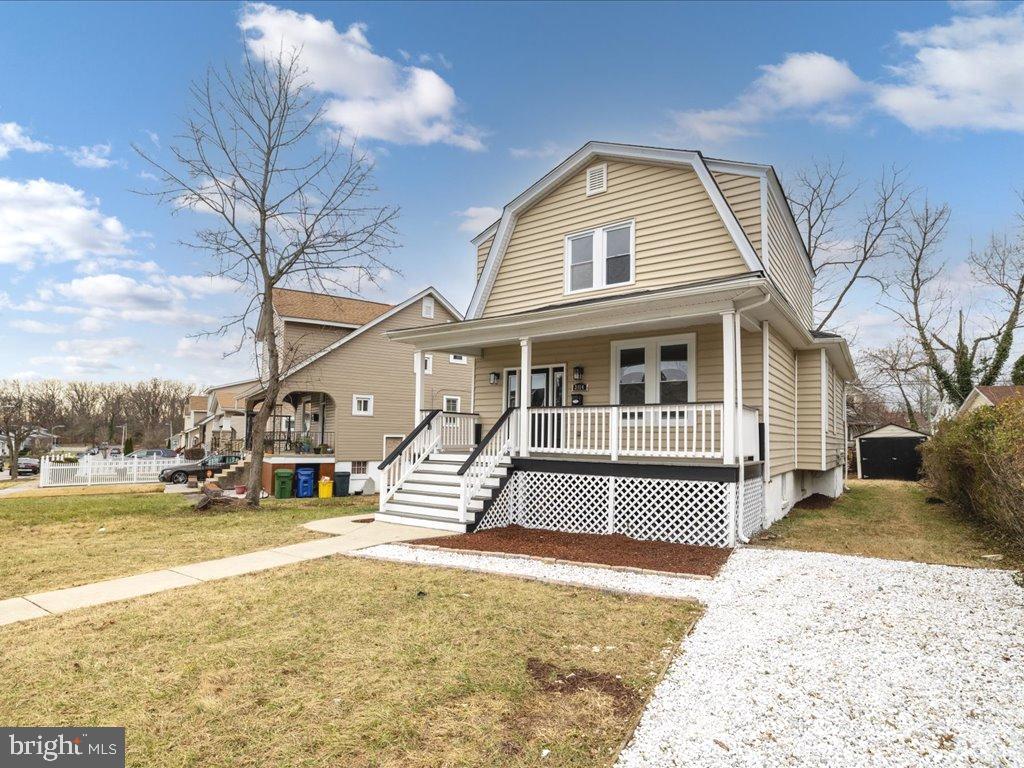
425	441
503	442
687	430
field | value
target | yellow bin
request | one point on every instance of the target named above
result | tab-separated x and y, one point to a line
326	489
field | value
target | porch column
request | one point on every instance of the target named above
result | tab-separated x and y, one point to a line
728	387
523	398
417	364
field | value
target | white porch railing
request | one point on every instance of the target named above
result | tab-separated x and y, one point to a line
691	431
501	441
91	471
458	430
410	453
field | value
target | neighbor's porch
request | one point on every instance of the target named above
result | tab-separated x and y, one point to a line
302	424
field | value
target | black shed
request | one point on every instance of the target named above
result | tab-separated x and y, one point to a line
889	452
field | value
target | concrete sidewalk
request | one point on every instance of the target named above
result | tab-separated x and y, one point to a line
346	535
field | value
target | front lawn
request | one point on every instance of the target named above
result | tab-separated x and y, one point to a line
63	541
350	662
894	520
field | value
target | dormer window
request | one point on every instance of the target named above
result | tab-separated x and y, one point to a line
599	258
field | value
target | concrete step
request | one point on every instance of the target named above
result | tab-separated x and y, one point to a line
421	521
439	511
447	500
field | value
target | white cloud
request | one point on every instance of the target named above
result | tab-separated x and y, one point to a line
154	138
477	218
14	136
204	285
36	326
118	292
96	265
374	97
84	357
968	73
545	150
95	156
973	6
814	85
46	220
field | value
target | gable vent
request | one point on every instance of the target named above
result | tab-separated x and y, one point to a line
597	179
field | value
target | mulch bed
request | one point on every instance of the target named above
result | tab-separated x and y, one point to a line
614	549
815	501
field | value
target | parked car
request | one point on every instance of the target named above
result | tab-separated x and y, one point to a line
28	466
114	452
178	473
152	453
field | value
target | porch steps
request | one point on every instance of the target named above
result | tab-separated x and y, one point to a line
429	497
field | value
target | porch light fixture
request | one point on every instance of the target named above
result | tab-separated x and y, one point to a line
495	378
577	373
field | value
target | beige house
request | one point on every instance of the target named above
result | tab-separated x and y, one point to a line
983	396
661	302
193	430
348	390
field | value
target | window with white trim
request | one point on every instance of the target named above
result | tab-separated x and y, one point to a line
359	467
428	306
428	363
458	359
452	404
658	370
362	405
600	258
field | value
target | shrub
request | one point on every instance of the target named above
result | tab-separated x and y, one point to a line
976	463
129	445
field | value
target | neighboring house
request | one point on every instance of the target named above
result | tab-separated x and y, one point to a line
225	423
347	389
662	302
40	441
980	397
193	432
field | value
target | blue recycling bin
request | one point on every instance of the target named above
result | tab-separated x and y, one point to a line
305	482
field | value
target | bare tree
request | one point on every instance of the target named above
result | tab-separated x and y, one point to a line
964	342
17	416
290	202
899	371
844	253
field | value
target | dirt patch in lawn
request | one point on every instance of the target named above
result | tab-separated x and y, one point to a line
603	549
553	680
815	501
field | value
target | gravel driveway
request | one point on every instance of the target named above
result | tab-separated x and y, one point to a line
823	660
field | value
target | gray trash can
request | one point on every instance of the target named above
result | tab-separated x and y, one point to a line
341	483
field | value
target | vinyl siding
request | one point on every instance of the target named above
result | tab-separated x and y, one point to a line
786	267
743	193
594	353
447	378
781	404
481	255
304	339
373	365
679	236
808	409
834	432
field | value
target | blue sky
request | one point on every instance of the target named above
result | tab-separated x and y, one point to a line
95	283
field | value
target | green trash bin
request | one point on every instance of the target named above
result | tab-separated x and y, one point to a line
283	483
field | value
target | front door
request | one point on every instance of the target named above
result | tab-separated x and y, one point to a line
547	388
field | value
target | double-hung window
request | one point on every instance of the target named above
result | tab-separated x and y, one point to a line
599	258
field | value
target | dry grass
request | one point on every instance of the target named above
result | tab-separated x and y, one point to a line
346	662
87	490
891	519
65	541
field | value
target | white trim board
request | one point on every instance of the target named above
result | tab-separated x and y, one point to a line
576	162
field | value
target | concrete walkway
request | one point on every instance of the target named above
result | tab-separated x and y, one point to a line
346	535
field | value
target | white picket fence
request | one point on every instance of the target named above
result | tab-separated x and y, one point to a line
95	471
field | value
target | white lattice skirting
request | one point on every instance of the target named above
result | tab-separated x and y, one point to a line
682	511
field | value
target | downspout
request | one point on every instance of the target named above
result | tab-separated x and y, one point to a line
738	405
